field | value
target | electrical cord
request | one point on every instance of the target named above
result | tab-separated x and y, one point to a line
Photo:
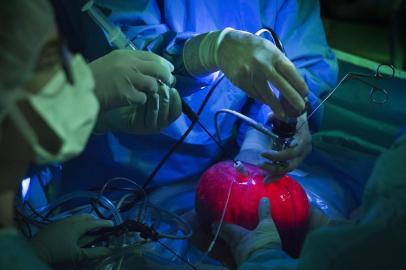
36	213
90	196
192	116
275	37
121	206
135	200
183	137
218	229
23	223
251	122
177	255
195	117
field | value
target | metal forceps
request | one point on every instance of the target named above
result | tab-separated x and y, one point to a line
383	72
377	95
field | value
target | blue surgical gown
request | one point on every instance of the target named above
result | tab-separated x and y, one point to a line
163	27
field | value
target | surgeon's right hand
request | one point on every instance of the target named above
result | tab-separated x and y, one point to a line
244	243
251	63
160	109
58	243
127	77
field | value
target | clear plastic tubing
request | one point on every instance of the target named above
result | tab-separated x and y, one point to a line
85	195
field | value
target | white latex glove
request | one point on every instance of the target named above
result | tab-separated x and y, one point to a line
160	109
300	147
243	243
249	62
126	77
58	243
256	150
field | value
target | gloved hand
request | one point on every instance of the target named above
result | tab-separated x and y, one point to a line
299	148
58	243
249	62
256	150
126	77
158	112
243	243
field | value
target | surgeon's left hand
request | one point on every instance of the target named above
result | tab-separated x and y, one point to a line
160	109
251	63
244	243
127	77
256	150
300	147
58	243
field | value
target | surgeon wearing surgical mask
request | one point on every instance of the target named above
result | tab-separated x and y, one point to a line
44	117
50	106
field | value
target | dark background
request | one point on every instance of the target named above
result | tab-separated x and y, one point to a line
373	29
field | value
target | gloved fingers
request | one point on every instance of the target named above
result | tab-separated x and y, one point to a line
153	57
275	171
164	99
264	209
248	84
267	233
288	70
85	254
245	84
129	119
278	170
106	123
84	218
86	239
266	224
86	224
284	87
158	70
175	108
151	112
293	164
78	219
267	95
132	97
142	82
284	155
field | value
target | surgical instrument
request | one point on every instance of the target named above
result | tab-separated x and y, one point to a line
383	72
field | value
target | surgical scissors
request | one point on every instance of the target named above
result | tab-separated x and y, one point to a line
377	94
383	72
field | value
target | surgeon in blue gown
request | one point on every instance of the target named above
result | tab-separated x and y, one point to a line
164	27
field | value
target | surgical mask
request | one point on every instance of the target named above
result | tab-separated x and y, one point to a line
69	110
